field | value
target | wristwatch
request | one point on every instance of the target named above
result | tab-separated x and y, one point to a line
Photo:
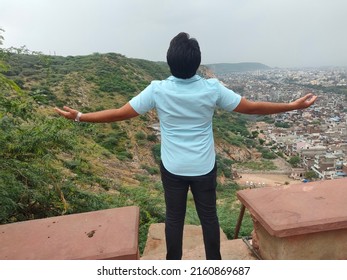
77	119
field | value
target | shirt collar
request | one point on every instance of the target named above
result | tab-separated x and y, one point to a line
190	80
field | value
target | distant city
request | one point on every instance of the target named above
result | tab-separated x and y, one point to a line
317	135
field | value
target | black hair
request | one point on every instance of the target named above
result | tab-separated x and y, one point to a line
183	56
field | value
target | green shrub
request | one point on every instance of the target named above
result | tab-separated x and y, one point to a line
152	137
152	170
156	153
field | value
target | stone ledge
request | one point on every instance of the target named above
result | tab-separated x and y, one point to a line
299	209
97	235
304	221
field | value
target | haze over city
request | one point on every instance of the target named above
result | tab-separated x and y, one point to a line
289	33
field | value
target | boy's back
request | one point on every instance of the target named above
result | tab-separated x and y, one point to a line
185	109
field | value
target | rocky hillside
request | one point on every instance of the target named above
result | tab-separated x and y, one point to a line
101	81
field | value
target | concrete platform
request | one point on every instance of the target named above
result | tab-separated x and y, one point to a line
97	235
304	221
193	245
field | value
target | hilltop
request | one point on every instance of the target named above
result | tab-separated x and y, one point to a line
55	167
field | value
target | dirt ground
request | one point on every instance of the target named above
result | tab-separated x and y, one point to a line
265	180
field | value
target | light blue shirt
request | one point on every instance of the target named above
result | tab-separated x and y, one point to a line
185	109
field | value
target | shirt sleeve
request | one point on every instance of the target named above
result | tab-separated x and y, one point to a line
144	101
228	99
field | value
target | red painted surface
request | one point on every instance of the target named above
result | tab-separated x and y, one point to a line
299	209
104	234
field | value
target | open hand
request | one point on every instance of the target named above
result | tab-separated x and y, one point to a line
67	112
305	101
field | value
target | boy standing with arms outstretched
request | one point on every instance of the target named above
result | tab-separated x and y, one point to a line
185	104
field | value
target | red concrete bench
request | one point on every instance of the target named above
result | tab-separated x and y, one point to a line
304	221
98	235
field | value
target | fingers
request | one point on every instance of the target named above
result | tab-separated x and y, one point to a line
309	99
309	95
313	99
59	111
306	97
68	113
69	109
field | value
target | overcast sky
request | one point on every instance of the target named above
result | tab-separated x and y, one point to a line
282	33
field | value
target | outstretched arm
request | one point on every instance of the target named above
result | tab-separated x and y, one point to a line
268	108
111	115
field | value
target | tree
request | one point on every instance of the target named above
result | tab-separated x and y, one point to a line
311	175
1	50
255	134
261	141
282	124
1	37
294	161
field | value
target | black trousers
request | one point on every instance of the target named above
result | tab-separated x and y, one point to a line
203	189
